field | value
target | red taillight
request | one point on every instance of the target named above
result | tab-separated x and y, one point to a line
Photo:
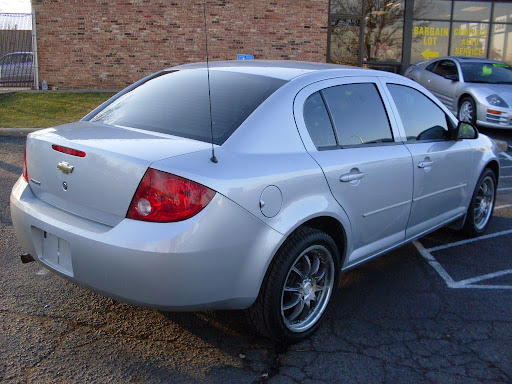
25	170
163	197
69	151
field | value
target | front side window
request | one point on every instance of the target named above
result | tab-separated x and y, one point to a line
431	66
176	103
446	67
422	119
358	114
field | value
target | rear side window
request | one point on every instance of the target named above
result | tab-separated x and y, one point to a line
176	103
421	118
358	114
318	122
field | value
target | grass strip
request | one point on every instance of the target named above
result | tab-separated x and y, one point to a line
41	110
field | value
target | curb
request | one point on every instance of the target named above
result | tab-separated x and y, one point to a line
17	132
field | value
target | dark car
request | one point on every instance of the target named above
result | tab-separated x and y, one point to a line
17	69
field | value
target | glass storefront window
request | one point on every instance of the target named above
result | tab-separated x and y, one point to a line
502	13
345	41
472	10
429	40
384	26
501	43
346	7
432	9
370	33
469	39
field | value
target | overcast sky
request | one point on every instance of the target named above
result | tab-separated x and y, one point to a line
15	6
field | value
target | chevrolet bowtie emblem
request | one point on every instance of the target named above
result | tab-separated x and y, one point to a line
65	168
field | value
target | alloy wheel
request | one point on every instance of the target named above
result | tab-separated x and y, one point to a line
307	288
466	112
484	201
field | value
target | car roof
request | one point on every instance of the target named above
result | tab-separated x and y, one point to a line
16	53
280	69
462	59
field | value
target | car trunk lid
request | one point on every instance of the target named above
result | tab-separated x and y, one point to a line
100	185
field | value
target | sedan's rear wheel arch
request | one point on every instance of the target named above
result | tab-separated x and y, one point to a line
318	235
334	229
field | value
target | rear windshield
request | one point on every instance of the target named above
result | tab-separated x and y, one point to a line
176	103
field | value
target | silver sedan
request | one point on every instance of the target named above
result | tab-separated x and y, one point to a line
255	198
478	91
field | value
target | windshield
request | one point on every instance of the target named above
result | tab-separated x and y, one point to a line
176	103
492	73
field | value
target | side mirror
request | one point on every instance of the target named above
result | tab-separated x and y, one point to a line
466	131
452	77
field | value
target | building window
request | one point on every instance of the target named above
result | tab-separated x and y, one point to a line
370	33
367	33
461	28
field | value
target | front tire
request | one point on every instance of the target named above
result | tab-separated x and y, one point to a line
298	287
467	110
482	204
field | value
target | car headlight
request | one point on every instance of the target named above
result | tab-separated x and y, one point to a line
497	101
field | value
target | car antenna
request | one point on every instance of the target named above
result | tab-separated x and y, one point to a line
213	159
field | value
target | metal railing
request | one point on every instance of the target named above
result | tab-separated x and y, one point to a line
17	53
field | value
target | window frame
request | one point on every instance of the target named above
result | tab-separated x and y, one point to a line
309	90
451	120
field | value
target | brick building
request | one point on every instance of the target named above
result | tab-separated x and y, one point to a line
110	44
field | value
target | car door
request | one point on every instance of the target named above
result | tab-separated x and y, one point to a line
443	82
440	162
346	129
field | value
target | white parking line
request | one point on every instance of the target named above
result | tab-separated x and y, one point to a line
506	166
466	283
467	241
503	206
434	263
504	189
505	177
506	155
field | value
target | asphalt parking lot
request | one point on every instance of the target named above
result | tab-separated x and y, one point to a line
435	311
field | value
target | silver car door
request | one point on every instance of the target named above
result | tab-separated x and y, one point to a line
442	87
368	172
441	181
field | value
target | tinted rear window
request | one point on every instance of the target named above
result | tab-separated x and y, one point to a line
176	103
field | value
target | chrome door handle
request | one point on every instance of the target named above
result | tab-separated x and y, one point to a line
347	177
425	164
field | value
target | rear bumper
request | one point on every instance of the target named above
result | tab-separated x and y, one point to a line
215	260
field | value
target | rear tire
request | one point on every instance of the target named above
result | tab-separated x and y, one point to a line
298	287
482	204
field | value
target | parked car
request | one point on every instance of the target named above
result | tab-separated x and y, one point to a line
478	91
17	68
316	169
